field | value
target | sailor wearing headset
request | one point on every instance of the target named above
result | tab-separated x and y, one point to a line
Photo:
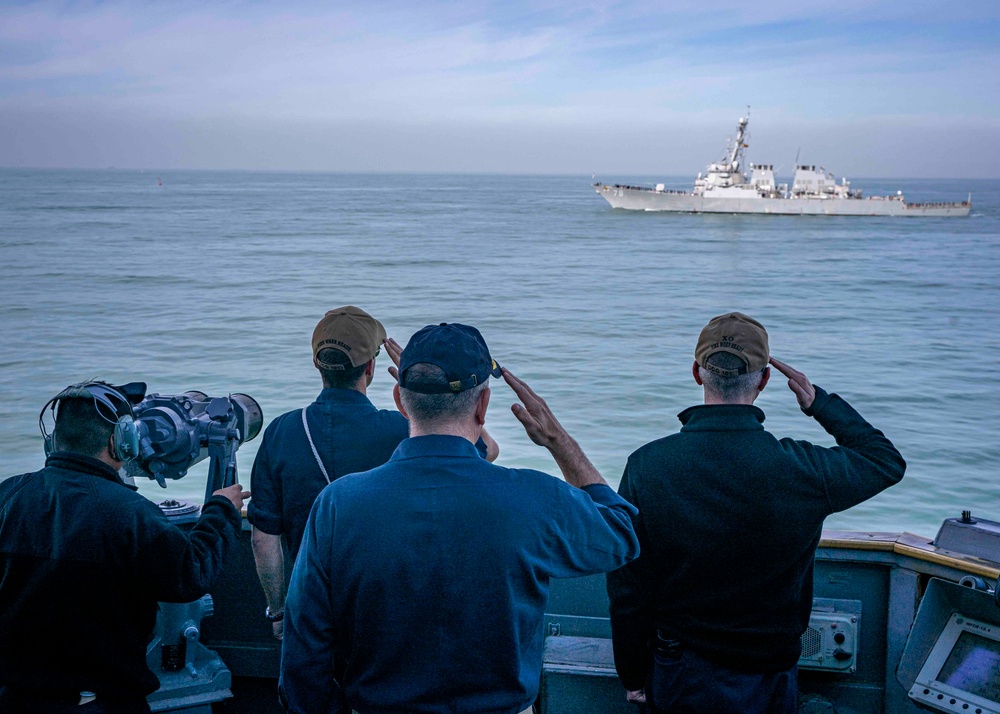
84	559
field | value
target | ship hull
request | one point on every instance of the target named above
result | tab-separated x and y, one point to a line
643	199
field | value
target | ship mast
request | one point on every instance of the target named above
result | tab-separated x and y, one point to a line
727	172
736	151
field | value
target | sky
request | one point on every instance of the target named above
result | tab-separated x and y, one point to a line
876	88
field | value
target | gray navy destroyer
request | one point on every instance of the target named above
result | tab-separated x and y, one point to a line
726	188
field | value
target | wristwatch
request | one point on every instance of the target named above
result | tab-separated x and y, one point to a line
273	616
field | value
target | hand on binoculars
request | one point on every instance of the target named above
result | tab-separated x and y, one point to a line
235	494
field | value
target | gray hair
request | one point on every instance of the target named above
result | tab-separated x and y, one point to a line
740	386
437	408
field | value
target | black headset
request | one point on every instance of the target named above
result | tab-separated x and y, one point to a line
111	404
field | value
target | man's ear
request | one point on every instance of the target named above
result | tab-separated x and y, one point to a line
108	454
697	376
482	404
370	369
399	402
764	379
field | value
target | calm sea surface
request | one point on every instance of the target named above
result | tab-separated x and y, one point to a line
214	280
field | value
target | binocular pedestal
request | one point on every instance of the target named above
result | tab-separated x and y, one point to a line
191	676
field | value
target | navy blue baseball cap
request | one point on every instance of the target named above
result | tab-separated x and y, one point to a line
459	350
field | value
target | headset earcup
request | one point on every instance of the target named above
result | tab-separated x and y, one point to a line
125	439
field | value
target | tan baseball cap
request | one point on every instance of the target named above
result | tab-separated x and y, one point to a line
736	334
350	330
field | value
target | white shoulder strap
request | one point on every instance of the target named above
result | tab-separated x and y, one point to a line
319	461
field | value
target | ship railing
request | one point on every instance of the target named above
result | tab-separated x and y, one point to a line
946	204
630	187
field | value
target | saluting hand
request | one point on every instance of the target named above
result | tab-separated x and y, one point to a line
534	414
805	393
394	350
235	494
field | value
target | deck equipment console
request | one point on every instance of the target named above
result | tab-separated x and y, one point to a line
962	671
951	661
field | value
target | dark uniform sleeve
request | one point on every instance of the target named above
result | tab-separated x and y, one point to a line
629	590
180	567
589	530
863	463
266	508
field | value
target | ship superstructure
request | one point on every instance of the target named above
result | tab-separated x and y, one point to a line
726	187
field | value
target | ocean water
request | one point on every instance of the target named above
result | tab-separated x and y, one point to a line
214	280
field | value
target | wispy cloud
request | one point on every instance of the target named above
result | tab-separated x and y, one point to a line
520	66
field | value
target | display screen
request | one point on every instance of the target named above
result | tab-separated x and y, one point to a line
973	666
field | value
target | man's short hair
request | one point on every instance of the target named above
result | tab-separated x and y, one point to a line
80	428
733	386
440	407
344	378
